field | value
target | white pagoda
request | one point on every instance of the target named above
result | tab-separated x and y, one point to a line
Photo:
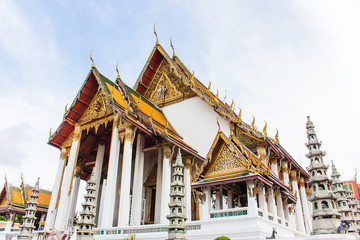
238	181
87	215
326	218
28	225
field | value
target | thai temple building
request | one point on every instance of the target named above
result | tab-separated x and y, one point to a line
237	181
13	203
326	218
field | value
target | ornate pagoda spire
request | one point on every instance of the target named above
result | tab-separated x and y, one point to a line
28	225
342	202
176	217
354	208
326	218
87	215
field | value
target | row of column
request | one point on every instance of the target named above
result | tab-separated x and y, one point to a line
64	197
270	202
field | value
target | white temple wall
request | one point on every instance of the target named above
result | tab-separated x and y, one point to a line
195	121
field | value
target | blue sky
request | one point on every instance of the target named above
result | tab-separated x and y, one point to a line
279	60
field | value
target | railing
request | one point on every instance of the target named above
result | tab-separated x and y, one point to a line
229	212
260	212
141	229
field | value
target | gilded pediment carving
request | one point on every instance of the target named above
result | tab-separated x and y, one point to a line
97	105
165	91
225	163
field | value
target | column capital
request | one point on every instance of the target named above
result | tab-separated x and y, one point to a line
127	132
167	151
63	153
302	182
77	132
187	161
293	175
284	166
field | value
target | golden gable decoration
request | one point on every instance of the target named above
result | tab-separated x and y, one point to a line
97	105
225	163
165	91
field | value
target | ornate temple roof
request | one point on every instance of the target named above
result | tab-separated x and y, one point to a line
141	104
14	199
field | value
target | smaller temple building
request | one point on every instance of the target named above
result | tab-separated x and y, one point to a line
13	203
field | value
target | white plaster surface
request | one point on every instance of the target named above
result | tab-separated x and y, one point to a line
195	121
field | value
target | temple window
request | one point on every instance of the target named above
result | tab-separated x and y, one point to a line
321	187
319	172
315	205
324	204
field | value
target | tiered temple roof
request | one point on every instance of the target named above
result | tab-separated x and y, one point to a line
14	199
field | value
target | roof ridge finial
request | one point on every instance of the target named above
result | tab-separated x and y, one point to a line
239	115
92	60
264	129
217	121
117	70
174	55
253	123
50	134
157	40
209	87
277	136
232	104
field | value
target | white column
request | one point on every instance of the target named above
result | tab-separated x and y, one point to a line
109	200
274	167
280	209
51	214
251	197
262	200
62	213
307	216
230	199
124	205
187	182
298	210
101	210
205	206
272	206
219	199
138	182
286	212
158	186
285	170
292	220
98	170
165	185
9	223
73	200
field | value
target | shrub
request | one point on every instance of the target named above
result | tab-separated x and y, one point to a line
222	238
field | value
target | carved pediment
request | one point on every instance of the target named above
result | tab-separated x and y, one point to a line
165	91
97	105
166	87
225	163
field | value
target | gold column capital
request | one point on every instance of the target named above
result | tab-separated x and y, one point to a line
284	166
167	151
187	161
77	132
302	182
293	175
63	153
